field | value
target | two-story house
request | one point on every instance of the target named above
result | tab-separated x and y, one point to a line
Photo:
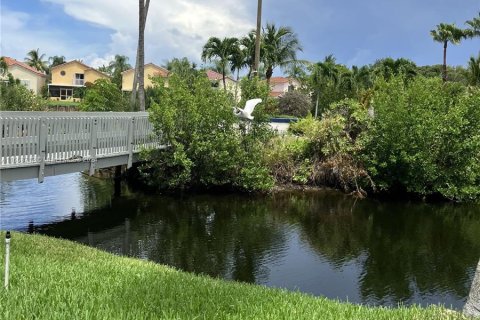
28	76
217	81
281	85
70	75
150	70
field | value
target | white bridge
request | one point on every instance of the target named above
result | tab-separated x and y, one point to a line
40	144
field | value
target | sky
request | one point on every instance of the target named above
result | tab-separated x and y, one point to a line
355	32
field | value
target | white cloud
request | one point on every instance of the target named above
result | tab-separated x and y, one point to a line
174	28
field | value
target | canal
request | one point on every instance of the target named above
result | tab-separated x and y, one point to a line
320	242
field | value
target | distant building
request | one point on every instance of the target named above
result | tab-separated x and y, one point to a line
28	76
216	80
70	75
150	70
281	85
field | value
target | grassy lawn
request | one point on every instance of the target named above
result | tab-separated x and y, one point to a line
57	279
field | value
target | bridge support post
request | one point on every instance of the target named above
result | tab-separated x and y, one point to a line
42	143
118	181
93	146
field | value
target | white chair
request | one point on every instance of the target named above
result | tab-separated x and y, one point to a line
248	110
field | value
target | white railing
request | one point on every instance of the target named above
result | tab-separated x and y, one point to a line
78	82
43	138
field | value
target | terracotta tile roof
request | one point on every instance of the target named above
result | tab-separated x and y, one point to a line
10	62
213	75
275	94
275	80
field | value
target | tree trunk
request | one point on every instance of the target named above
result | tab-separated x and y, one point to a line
316	105
236	86
138	79
445	61
224	82
472	307
269	74
257	39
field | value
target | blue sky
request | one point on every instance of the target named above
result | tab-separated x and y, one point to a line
355	32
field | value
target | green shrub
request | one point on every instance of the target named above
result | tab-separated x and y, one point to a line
255	88
425	138
295	104
206	148
16	97
103	95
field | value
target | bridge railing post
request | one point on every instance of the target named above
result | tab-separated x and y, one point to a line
131	132
42	144
93	145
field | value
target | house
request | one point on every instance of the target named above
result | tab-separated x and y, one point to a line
281	85
150	70
68	76
28	76
216	80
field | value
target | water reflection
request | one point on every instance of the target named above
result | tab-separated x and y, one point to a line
324	243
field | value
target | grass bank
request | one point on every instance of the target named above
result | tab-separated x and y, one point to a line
57	279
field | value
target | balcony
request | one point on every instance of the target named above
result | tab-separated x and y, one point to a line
78	82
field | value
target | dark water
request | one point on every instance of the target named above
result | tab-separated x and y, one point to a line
323	243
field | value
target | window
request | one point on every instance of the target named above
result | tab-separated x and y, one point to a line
79	79
62	73
26	83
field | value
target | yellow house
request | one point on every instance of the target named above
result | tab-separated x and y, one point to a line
70	75
28	76
231	85
151	70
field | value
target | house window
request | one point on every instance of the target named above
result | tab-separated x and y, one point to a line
26	83
66	94
79	79
62	73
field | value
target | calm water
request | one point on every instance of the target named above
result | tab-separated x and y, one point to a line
323	243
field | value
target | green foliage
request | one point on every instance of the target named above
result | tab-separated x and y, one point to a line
206	148
425	138
103	95
16	97
255	88
295	104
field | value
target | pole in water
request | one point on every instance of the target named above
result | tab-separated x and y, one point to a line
7	258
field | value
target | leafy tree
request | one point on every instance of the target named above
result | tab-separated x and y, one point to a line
206	149
223	50
103	95
16	97
388	68
252	88
3	67
36	60
280	48
446	33
294	104
425	138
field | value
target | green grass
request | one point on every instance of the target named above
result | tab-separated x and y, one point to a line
62	103
57	279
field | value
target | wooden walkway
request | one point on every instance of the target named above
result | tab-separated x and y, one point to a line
40	144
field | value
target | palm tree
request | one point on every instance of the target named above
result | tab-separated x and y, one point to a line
322	74
139	71
248	43
257	37
474	30
36	60
222	50
474	70
280	48
237	62
446	33
117	66
55	61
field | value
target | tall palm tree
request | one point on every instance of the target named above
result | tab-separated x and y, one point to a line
248	42
322	74
238	61
139	71
474	70
474	30
117	66
222	50
257	37
280	48
446	33
36	60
